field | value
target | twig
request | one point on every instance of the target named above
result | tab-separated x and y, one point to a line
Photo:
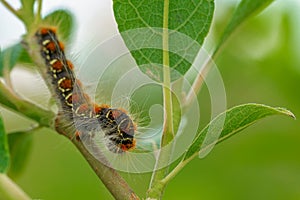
11	9
198	83
109	176
38	16
30	110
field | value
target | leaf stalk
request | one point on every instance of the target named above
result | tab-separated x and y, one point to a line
11	191
156	188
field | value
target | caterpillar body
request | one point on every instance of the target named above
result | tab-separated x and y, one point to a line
117	126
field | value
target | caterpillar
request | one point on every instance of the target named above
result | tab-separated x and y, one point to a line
116	124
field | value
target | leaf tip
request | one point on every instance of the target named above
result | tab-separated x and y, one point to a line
287	112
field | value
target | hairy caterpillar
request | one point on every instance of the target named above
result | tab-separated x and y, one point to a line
117	126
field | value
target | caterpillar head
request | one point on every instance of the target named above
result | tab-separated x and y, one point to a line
118	129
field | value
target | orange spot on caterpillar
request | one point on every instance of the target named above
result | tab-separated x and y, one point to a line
97	108
77	135
45	31
51	46
61	46
66	84
57	65
129	146
70	65
105	106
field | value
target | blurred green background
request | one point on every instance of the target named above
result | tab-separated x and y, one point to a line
259	64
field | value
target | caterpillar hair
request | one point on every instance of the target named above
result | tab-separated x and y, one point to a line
116	124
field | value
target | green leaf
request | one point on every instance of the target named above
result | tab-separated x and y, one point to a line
245	9
20	144
229	123
9	58
63	20
24	57
141	24
4	152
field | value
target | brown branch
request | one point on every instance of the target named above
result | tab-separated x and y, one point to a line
109	176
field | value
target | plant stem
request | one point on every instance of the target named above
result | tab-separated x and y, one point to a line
11	9
38	16
11	191
176	170
30	110
198	82
110	177
156	189
168	133
162	183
